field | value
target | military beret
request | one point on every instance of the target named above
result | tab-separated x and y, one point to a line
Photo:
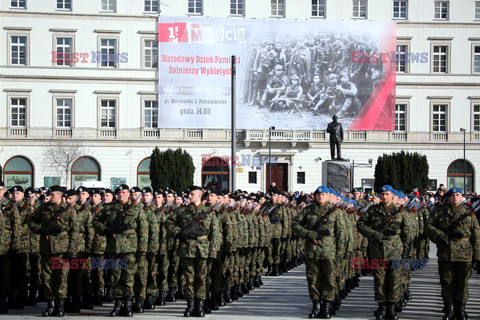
147	190
96	191
453	190
17	188
135	189
211	192
193	188
56	188
168	190
108	191
357	190
322	189
386	188
70	192
158	192
82	189
29	191
122	187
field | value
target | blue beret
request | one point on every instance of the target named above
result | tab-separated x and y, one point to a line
322	189
453	190
386	188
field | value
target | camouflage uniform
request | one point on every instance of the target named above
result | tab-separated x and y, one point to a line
33	259
276	218
165	244
98	275
150	285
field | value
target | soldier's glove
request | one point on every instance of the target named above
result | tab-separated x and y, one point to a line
377	236
324	232
452	234
54	230
150	256
120	228
442	238
311	235
68	256
138	256
389	232
182	236
43	232
108	232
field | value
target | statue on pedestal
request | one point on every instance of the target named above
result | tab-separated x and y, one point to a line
336	137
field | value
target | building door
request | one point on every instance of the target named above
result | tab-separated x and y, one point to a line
279	176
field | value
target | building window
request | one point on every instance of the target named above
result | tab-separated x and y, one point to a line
195	6
441	10
237	7
400	9
252	177
18	4
18	112
64	4
18	171
440	59
477	10
64	113
476	59
143	174
360	9
401	59
318	8
277	8
108	53
150	54
215	174
439	117
301	177
108	113
151	6
476	117
85	168
63	51
459	172
109	5
18	50
151	114
400	117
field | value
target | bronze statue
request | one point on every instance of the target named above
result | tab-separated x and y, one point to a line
336	137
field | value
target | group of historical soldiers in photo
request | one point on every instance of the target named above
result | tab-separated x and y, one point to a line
324	73
142	249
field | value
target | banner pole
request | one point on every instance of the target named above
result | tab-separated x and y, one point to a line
234	129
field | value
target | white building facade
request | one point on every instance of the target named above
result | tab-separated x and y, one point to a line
108	104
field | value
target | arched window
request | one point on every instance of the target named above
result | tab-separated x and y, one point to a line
18	171
215	174
85	168
143	174
455	175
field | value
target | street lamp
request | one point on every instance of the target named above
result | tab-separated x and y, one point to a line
270	156
360	165
464	163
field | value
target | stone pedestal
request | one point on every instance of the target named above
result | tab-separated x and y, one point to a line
336	175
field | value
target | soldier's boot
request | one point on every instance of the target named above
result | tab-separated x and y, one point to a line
128	304
108	297
348	287
448	311
97	298
381	311
245	288
50	308
198	308
11	301
408	294
257	282
342	294
87	301
398	306
269	270
356	281
32	298
116	308
460	313
233	293
403	302
226	295
221	302
315	309
21	300
207	304
275	270
391	311
3	305
215	301
189	310
149	303
337	302
284	268
73	306
160	301
172	294
238	288
251	285
181	292
59	310
138	306
325	311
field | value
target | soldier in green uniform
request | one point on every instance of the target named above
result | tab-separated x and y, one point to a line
385	224
127	239
108	197
276	218
5	239
197	229
57	225
172	247
457	235
161	210
34	272
324	232
99	244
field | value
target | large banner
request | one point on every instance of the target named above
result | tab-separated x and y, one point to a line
290	74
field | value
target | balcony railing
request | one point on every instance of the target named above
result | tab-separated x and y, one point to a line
67	132
111	133
151	133
19	132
